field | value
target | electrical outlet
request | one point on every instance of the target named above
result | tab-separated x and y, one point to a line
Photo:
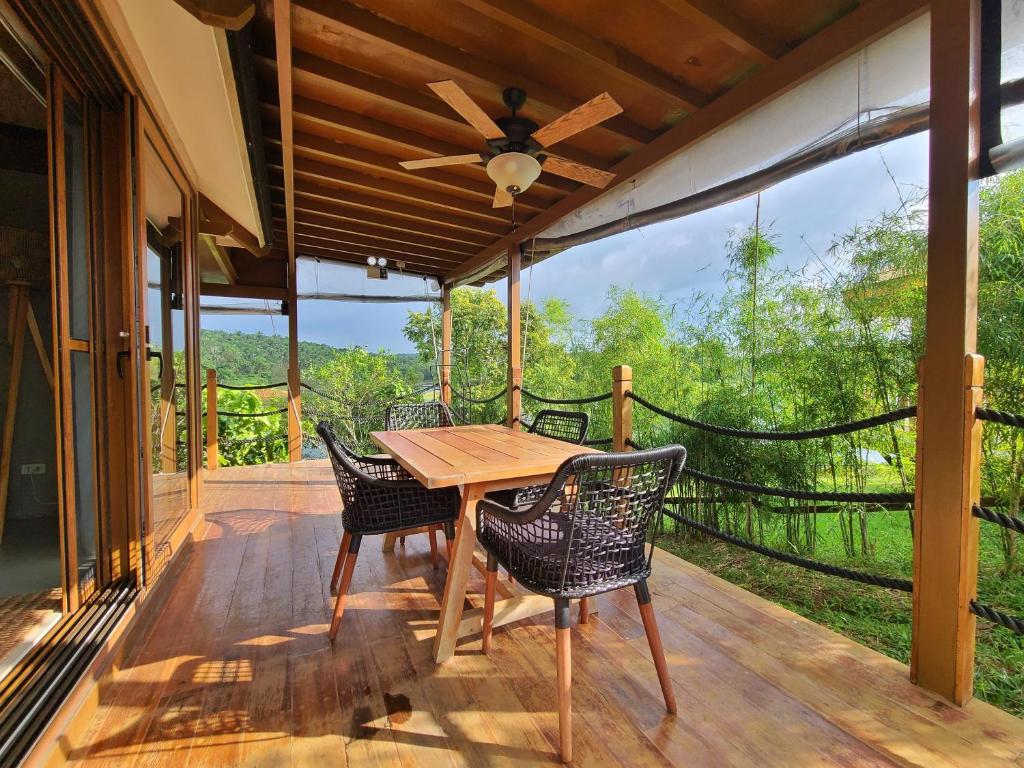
33	469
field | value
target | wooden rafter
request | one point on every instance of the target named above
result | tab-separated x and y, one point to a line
388	249
316	17
311	232
306	221
738	34
221	257
612	61
860	27
214	221
226	14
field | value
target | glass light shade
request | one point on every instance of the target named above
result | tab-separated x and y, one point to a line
371	260
513	171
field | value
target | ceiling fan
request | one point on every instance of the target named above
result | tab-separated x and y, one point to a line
517	146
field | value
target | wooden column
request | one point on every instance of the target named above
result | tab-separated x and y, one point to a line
515	349
946	536
622	407
294	386
212	450
446	344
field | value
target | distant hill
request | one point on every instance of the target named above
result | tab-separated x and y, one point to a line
256	358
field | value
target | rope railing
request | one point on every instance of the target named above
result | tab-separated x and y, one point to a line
599	442
1000	417
251	387
566	400
243	415
998	617
806	434
999	518
482	400
903	585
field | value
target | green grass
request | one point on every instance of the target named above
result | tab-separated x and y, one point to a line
878	618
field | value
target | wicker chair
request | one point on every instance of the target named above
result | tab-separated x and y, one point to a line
379	496
418	416
568	426
591	531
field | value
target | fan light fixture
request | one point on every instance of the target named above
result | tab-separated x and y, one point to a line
513	171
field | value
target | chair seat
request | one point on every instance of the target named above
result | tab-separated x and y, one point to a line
536	556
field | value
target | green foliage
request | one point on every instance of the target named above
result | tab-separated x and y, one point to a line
250	440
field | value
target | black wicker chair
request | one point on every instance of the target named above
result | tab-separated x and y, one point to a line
379	496
418	416
591	531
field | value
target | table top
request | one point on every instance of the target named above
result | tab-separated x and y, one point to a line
445	456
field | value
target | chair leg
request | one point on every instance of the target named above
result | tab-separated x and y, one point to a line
449	539
584	609
346	581
563	651
346	539
433	546
490	582
402	541
643	598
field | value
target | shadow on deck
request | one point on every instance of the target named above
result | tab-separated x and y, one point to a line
237	669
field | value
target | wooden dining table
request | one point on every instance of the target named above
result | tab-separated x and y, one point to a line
480	459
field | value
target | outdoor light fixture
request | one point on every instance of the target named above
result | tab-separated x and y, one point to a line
377	268
382	262
513	172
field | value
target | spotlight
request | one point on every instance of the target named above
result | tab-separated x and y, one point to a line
372	261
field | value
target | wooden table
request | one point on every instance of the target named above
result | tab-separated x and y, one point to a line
479	458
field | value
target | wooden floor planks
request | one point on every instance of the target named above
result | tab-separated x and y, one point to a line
237	669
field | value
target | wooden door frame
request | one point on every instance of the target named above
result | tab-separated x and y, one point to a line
146	129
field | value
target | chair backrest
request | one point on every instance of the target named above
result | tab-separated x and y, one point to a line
613	503
569	426
418	416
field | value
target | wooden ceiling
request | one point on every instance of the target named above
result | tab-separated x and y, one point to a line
359	103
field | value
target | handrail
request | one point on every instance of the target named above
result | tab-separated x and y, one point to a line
567	401
481	401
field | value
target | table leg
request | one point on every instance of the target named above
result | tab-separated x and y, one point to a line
458	574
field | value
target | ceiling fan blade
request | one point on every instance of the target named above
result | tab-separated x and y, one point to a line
502	198
436	162
460	101
587	115
577	172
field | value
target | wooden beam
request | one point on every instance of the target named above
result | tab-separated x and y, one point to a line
221	257
357	254
513	397
283	43
946	533
459	225
215	222
862	26
390	250
268	292
738	34
627	68
225	14
318	18
446	345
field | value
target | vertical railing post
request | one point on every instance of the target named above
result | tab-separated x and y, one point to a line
946	535
212	449
622	407
294	385
446	344
513	398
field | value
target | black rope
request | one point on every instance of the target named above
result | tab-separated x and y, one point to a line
903	585
249	387
567	401
992	516
481	401
1000	417
602	441
998	617
239	415
836	429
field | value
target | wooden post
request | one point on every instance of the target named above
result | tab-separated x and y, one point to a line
946	535
622	407
513	397
294	386
18	297
212	449
446	344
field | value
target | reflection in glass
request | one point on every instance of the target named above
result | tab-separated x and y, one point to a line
78	244
85	464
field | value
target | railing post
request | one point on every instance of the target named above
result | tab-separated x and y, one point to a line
446	344
514	398
212	454
622	407
945	545
515	364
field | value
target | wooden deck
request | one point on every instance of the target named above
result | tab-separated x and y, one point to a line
237	669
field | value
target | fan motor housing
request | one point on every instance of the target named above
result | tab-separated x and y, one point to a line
518	131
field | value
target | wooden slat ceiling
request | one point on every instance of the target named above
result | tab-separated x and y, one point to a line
359	75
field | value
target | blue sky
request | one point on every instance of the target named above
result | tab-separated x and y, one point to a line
673	259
